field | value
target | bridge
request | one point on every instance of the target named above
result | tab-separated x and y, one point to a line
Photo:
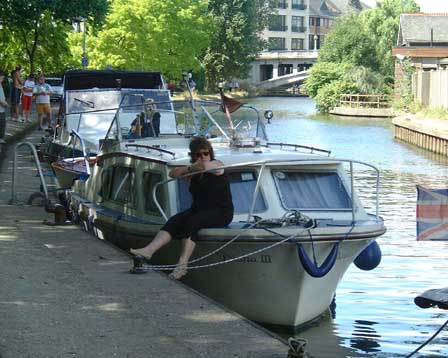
284	81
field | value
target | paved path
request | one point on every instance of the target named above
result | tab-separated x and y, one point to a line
67	294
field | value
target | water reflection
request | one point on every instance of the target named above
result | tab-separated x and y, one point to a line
364	337
375	314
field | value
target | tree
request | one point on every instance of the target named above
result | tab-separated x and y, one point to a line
382	23
30	21
356	55
237	40
349	42
162	35
323	73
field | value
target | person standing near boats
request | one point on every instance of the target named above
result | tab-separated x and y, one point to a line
3	106
211	207
27	96
42	92
16	90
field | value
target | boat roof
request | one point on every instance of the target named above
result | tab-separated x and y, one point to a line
86	79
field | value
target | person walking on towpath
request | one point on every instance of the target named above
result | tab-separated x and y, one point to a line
42	92
27	96
3	106
212	205
16	90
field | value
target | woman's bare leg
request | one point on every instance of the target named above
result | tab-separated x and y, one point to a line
187	250
161	239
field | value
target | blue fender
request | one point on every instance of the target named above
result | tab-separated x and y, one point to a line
369	258
311	267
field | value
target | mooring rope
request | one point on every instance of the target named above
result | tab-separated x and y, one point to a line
429	339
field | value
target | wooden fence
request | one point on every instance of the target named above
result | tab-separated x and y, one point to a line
430	88
364	101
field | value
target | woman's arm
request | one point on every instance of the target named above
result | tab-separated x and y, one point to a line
178	171
214	164
197	167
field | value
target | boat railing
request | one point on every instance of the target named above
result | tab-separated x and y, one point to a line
298	146
274	162
85	155
150	147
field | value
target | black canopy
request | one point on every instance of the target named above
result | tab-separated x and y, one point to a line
86	79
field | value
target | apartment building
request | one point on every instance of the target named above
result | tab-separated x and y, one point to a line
295	34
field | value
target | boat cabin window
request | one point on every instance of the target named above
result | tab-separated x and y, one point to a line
117	185
311	190
150	179
242	187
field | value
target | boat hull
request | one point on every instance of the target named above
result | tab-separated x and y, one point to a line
270	287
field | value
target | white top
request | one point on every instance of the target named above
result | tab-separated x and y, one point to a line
29	84
42	93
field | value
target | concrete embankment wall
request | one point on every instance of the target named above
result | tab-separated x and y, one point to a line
429	134
362	112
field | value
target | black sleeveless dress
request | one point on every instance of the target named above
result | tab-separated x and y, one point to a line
212	207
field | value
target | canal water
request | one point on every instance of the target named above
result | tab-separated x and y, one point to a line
375	314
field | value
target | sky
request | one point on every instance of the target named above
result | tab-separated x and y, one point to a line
425	5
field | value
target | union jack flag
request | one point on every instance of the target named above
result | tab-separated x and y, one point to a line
432	214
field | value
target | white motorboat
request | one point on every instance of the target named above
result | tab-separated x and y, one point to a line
298	223
91	99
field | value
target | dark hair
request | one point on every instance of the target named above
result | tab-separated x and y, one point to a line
2	73
198	143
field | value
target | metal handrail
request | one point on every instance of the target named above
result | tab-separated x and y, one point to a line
38	167
273	161
150	147
295	146
83	148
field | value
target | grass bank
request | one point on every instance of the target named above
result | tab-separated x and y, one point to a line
424	112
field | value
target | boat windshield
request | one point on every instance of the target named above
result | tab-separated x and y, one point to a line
212	121
92	112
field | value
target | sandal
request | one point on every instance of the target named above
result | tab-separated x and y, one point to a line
179	272
140	252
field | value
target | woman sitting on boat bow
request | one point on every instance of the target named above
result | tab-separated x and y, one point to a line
211	207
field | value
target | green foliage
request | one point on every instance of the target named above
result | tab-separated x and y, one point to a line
404	86
323	73
382	23
366	80
356	55
37	28
349	42
237	39
163	35
329	95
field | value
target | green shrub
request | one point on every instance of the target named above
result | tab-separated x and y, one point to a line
329	95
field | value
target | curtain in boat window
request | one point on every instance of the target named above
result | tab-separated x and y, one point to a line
320	191
242	187
150	179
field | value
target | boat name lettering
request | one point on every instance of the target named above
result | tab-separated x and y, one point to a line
264	259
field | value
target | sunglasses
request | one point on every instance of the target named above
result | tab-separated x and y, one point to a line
202	154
